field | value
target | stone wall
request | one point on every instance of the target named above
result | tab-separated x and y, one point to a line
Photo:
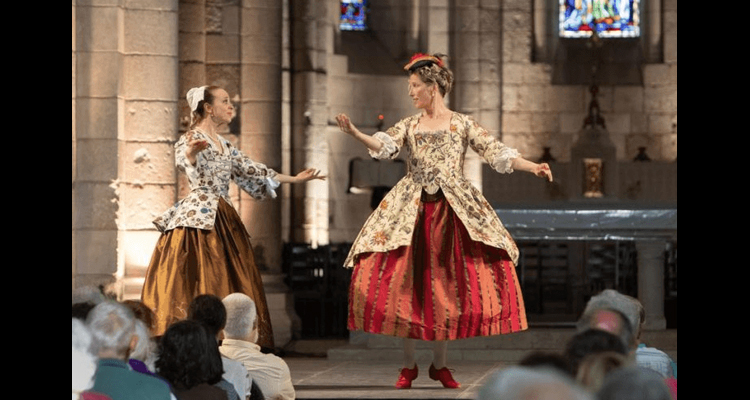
538	114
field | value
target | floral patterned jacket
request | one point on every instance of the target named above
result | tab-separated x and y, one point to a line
209	180
435	161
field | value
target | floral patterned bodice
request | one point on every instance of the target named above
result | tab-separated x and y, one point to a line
209	180
435	161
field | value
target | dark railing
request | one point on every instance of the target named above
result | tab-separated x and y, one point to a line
558	277
320	285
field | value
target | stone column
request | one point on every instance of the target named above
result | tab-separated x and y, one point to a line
260	46
434	19
97	67
476	61
310	45
192	58
73	147
652	25
124	107
261	105
651	282
149	92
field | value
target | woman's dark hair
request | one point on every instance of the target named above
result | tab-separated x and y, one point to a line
548	359
208	309
189	356
81	310
592	341
199	114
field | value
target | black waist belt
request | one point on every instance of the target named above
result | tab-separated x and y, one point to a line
431	198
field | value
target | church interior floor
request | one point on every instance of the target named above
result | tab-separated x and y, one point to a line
320	378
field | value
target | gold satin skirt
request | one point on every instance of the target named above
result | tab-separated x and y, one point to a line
188	262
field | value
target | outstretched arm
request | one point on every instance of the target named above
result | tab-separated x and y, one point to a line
541	170
304	176
346	126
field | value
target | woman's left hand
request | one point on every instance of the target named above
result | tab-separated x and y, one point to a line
542	170
308	175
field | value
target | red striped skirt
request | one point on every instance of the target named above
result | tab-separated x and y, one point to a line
444	286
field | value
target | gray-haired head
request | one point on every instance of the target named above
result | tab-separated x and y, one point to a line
612	299
83	357
526	383
144	349
241	316
634	383
112	325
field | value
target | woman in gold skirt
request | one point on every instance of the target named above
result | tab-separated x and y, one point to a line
204	247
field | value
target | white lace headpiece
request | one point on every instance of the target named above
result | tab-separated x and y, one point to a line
195	95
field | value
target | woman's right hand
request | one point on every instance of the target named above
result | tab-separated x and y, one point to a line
194	146
345	124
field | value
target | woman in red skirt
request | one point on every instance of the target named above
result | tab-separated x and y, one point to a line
433	261
204	247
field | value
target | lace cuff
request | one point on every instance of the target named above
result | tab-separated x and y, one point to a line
389	149
271	183
502	161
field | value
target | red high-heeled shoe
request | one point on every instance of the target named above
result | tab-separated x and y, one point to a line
444	376
406	376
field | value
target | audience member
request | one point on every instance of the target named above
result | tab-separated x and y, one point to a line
595	367
609	320
81	310
589	342
531	383
84	299
648	357
547	359
143	356
651	357
112	326
189	360
634	383
88	294
142	312
210	311
84	363
269	371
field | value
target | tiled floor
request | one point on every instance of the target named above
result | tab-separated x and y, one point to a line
319	378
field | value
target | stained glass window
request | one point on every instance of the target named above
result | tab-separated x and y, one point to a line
353	15
608	18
